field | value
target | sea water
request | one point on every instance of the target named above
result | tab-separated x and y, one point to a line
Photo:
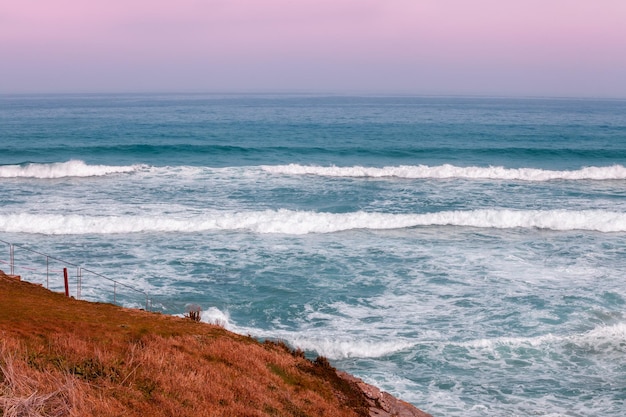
464	254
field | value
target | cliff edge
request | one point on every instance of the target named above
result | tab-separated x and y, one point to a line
65	357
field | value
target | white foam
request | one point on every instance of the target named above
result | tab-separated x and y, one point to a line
303	222
513	342
602	338
338	348
447	171
332	346
76	168
63	169
213	315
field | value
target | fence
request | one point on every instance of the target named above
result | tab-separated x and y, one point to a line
48	271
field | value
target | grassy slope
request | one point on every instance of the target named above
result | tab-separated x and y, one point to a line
60	356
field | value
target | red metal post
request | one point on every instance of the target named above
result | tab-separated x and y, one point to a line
67	284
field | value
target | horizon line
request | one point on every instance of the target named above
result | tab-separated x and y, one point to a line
347	93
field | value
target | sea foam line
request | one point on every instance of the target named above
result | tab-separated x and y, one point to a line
447	171
72	168
304	222
77	168
331	346
601	338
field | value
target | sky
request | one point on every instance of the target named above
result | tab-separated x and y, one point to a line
557	48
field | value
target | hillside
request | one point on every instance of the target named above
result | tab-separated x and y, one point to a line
60	356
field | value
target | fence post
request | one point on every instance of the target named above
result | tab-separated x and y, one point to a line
114	292
67	284
12	258
47	272
79	281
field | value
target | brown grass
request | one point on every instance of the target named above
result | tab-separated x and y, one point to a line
63	357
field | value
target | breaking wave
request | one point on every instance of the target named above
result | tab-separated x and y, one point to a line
62	170
304	222
334	348
447	171
76	168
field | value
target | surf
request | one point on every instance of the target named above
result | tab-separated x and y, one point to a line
73	168
292	222
448	171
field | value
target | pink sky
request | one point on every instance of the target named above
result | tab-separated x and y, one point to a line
487	47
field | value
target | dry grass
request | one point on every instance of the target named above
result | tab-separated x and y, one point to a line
25	393
63	357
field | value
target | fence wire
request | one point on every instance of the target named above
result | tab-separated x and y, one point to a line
84	283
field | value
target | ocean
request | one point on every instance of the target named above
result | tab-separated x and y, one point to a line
466	255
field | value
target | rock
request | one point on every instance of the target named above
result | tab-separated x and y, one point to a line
383	404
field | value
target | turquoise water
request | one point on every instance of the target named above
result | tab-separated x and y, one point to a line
464	254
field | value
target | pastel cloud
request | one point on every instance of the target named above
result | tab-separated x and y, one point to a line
549	47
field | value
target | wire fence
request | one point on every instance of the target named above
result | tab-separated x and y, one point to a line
83	283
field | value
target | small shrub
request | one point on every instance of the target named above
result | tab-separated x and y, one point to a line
298	353
287	377
88	369
281	344
146	386
193	312
93	369
323	362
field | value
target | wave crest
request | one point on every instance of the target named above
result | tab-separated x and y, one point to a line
447	171
302	222
72	168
